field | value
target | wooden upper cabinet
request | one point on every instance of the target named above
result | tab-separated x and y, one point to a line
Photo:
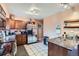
19	24
2	18
10	23
16	24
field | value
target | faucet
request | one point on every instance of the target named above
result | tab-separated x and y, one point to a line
64	37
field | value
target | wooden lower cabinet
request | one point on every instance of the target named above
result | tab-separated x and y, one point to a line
21	39
55	50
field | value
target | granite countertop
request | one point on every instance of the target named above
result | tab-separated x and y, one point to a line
68	44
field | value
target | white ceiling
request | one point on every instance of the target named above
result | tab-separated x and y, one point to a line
46	9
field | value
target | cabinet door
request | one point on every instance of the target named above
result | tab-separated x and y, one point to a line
21	39
18	39
56	50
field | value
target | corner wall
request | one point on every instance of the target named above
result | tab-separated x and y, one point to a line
52	21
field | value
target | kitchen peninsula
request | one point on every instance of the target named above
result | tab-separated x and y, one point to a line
59	47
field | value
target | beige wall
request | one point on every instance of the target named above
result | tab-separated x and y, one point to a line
52	21
74	16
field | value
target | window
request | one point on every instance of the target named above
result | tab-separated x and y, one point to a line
58	29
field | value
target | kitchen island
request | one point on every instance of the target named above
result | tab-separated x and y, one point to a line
60	47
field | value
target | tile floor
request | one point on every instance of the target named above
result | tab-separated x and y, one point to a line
37	49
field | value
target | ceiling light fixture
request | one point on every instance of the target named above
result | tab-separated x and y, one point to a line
65	5
33	10
68	6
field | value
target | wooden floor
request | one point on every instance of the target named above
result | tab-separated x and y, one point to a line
21	51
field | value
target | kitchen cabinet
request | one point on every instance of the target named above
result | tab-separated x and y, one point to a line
10	23
15	24
19	24
56	50
21	39
40	30
2	18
